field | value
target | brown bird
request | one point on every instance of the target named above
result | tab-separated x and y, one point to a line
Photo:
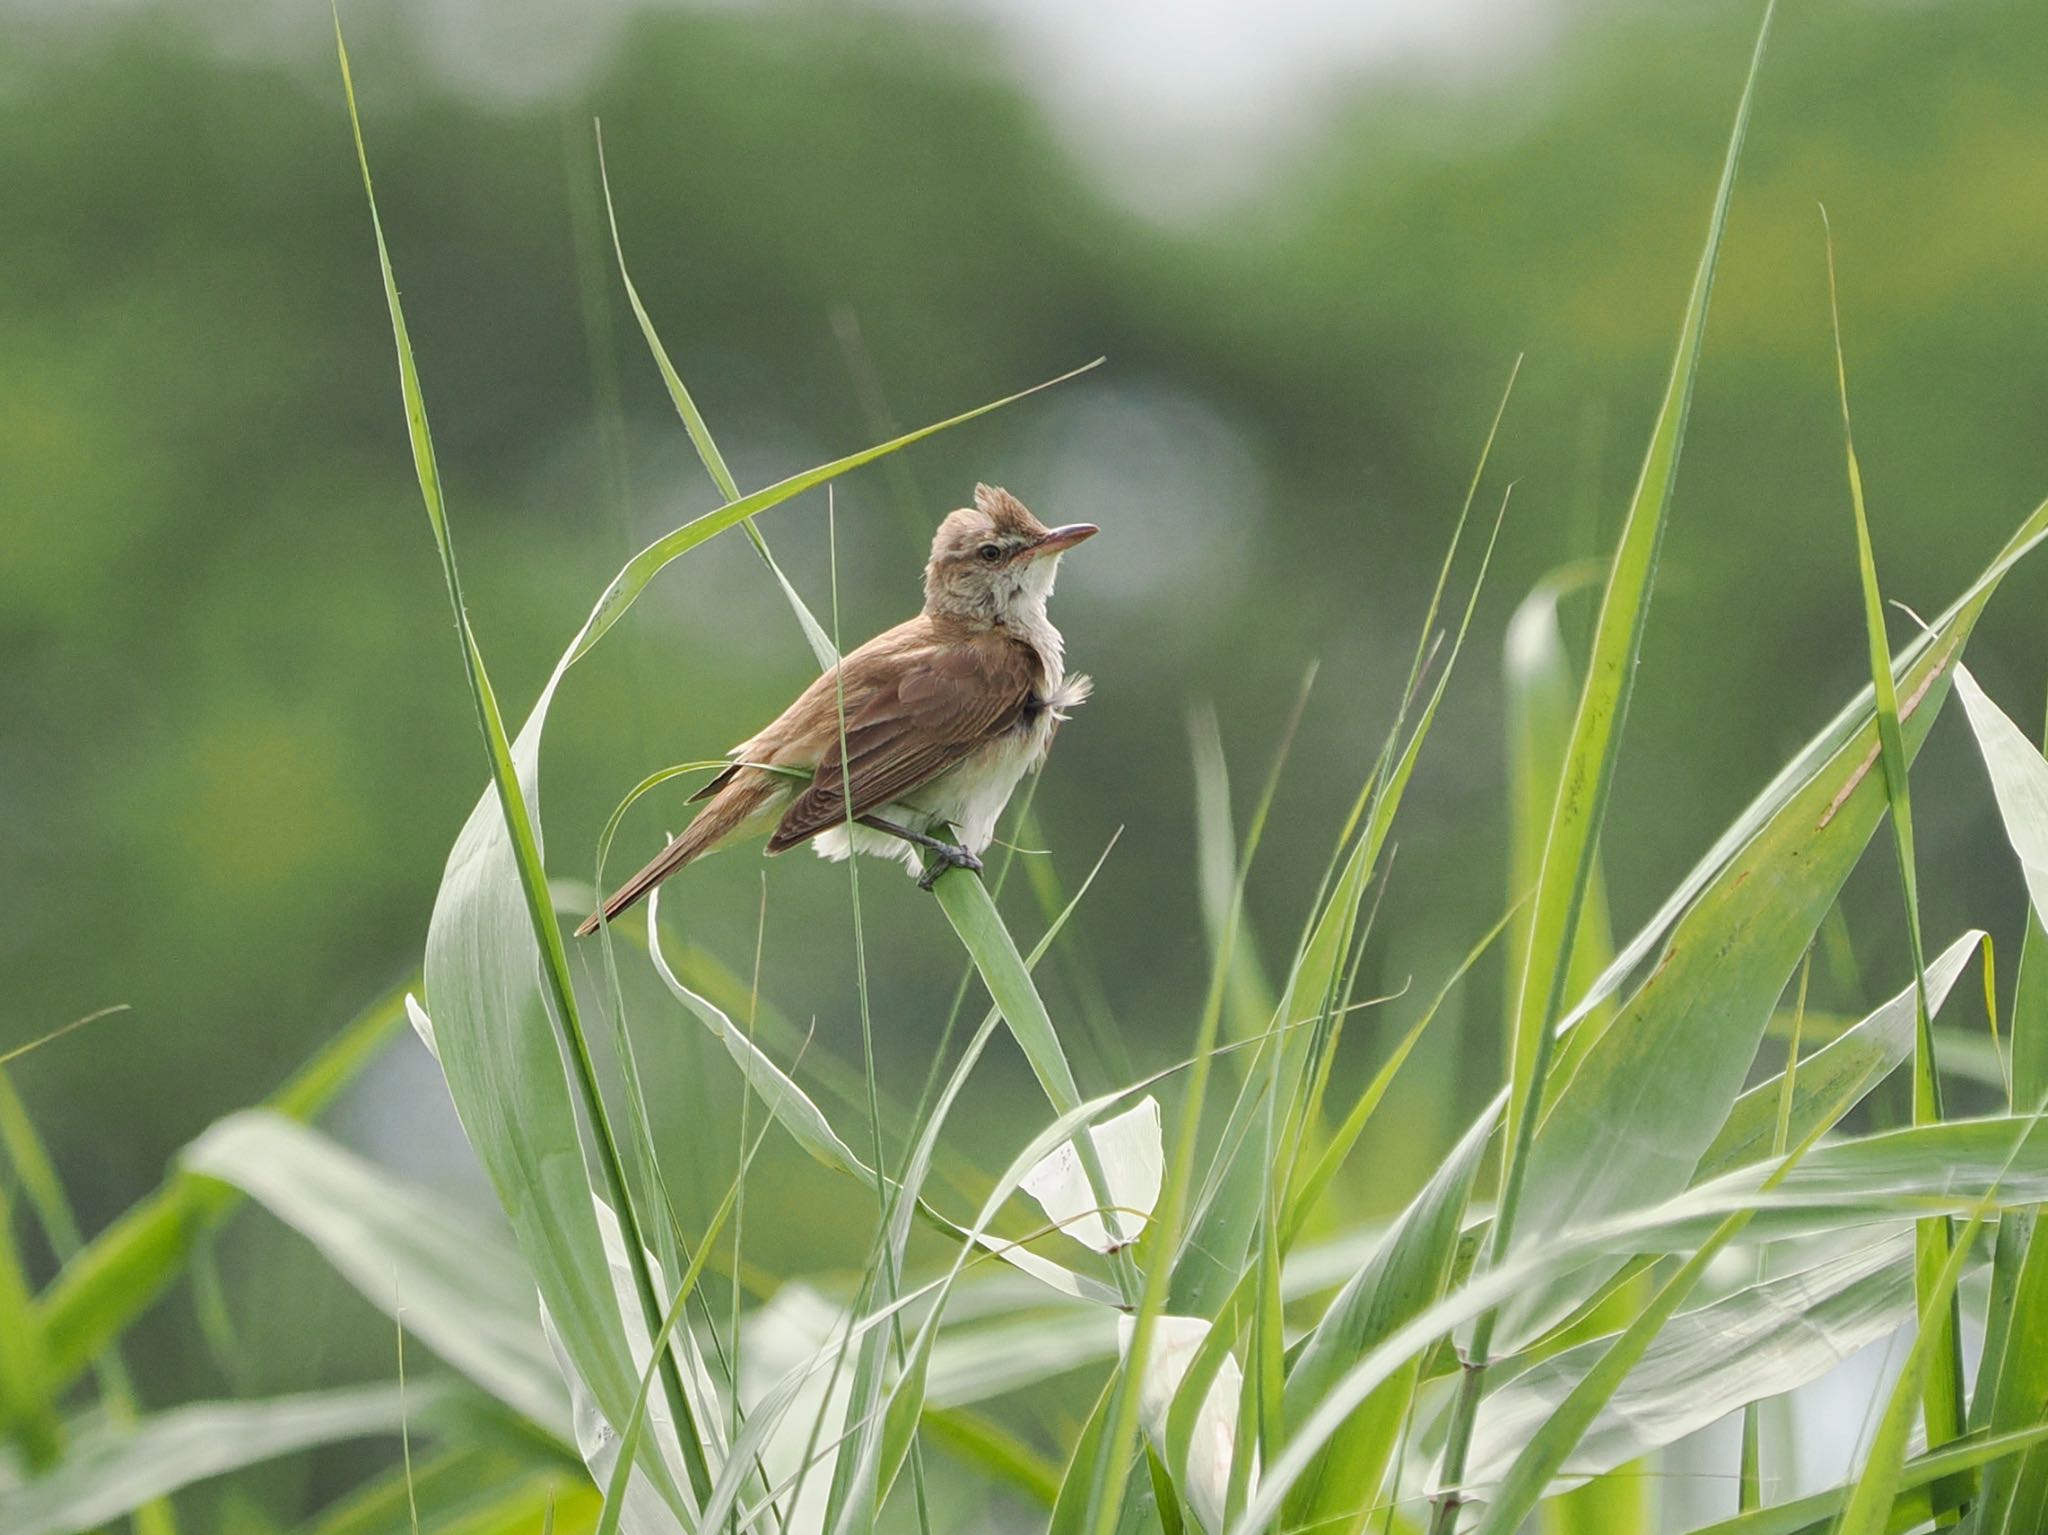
942	716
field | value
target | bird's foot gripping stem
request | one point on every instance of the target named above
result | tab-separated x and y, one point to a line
948	855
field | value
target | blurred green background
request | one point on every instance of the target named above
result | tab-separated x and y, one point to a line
234	737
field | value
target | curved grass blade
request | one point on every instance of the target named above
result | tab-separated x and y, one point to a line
700	434
108	1472
2013	1380
466	1291
1765	1339
1840	1073
117	1275
37	1177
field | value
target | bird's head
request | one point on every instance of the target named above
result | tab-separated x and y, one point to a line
993	561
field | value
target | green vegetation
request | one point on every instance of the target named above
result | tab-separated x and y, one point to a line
753	1274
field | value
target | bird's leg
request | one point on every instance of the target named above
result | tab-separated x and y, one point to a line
950	854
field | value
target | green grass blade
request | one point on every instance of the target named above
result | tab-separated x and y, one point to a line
466	1292
1311	1188
1544	1454
1070	1509
1541	695
1944	1378
972	913
28	1408
116	1277
1228	1208
991	1449
1652	1092
1849	723
618	1486
2019	782
1249	1002
1887	1179
1515	1497
1770	1337
472	1490
2013	1380
1869	1508
108	1471
973	1241
1566	866
38	1179
1406	1275
1000	1341
1566	871
1841	1072
883	1438
1929	1484
800	1116
1541	692
2016	1492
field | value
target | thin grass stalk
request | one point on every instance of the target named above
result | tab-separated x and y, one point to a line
558	988
822	646
674	1250
1581	805
739	1206
629	1435
1944	1373
1111	1471
1870	1502
1749	1484
888	1269
1425	647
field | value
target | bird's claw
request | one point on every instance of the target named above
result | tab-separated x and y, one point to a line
944	858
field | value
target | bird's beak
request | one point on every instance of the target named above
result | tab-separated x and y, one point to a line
1060	539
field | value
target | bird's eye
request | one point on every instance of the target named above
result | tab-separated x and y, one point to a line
990	553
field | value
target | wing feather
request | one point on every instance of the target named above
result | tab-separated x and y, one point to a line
917	715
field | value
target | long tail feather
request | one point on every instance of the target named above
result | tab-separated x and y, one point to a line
719	822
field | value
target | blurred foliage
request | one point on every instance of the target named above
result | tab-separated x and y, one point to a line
234	745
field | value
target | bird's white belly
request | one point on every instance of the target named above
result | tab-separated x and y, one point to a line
968	798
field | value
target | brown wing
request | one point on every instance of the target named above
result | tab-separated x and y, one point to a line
917	715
